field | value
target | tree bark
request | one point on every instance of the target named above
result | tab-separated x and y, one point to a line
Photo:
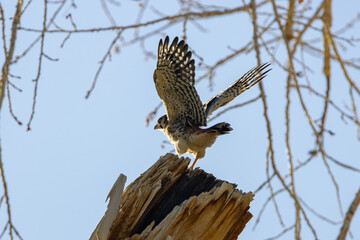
170	202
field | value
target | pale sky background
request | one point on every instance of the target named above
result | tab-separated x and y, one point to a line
61	171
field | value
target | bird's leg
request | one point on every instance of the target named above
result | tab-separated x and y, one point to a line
192	166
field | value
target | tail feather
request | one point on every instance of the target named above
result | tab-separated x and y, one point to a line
220	128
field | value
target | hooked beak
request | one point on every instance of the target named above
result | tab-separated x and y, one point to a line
157	126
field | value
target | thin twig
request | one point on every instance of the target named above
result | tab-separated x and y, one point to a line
354	110
233	107
339	59
39	66
316	213
102	62
152	114
262	210
51	21
336	107
281	233
342	164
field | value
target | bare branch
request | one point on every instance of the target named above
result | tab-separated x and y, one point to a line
190	15
51	21
348	217
293	75
4	82
326	19
270	151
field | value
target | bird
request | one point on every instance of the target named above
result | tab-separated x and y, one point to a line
186	116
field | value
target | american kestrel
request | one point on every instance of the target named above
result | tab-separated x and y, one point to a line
174	79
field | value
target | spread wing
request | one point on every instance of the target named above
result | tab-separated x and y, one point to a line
248	80
174	79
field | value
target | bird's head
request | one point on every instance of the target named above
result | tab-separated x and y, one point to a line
161	123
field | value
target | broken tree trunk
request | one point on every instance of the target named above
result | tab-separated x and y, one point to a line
170	202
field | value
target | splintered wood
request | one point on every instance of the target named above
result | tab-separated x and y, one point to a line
170	202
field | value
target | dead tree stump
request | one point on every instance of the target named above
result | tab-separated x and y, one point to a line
170	202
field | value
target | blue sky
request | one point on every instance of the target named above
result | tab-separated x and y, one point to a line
61	171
